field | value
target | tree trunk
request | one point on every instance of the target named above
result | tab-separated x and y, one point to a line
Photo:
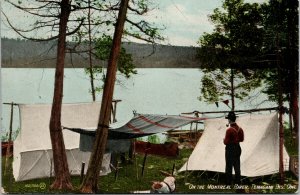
90	182
295	113
62	175
281	130
293	62
294	91
232	89
90	54
280	105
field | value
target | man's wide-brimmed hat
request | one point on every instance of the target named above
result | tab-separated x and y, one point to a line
231	115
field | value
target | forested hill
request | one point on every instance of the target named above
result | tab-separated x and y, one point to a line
29	54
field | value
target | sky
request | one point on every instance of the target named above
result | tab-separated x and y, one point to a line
184	20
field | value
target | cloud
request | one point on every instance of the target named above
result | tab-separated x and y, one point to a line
186	21
182	23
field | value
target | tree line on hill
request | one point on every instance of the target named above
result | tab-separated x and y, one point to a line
20	53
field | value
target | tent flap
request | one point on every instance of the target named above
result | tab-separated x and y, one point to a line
143	125
147	124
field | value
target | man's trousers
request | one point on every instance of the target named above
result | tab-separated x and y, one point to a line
232	157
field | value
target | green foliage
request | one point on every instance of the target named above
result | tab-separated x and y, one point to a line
101	15
103	47
253	35
234	44
97	72
289	141
153	139
216	85
236	39
209	90
142	4
281	46
271	89
265	35
4	136
142	29
125	61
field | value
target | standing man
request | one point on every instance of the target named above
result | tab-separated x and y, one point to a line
234	135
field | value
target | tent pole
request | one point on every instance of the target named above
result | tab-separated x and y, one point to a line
144	161
9	137
82	172
191	131
135	161
50	171
131	150
173	169
220	112
111	114
196	130
115	110
117	171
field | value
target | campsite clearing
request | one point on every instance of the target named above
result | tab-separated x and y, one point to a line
129	179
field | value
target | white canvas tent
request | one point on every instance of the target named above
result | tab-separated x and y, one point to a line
32	147
260	149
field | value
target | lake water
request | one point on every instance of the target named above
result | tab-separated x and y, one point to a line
151	91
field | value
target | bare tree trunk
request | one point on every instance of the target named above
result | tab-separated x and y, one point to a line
90	182
62	175
293	63
90	54
232	89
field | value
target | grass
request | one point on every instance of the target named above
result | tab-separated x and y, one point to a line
129	178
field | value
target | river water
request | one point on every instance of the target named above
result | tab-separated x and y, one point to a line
150	91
